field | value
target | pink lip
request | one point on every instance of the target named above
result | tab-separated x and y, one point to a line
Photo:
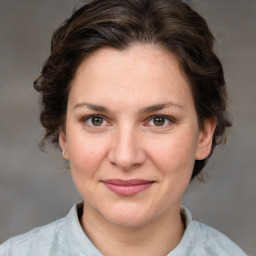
127	187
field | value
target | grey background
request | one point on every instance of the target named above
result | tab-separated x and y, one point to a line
36	188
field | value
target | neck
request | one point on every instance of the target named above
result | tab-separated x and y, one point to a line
159	237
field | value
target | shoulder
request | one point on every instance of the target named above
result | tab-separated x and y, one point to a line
39	241
202	240
63	237
212	242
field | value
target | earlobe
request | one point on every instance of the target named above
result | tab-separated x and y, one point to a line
63	144
204	145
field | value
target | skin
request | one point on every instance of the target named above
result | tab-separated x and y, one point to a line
129	143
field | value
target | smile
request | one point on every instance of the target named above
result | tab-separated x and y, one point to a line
127	187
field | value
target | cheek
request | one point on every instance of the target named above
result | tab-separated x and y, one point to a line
175	154
85	154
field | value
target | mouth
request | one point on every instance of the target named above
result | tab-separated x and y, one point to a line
127	187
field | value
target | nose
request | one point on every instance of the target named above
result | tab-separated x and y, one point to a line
126	149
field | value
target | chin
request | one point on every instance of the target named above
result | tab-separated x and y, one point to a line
128	217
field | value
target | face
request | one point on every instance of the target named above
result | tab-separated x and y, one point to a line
132	134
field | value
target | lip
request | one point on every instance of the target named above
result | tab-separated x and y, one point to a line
127	187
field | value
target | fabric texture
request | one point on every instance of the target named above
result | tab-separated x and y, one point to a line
65	237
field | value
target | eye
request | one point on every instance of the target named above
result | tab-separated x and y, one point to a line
95	120
159	121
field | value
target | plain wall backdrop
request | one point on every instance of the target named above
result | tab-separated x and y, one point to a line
36	188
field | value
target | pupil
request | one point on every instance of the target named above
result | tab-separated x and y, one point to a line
97	121
158	121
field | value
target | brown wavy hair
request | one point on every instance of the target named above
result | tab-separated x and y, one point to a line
170	24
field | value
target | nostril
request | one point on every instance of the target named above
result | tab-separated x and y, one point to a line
126	151
127	160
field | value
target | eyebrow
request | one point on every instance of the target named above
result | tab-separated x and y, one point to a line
145	110
95	107
159	107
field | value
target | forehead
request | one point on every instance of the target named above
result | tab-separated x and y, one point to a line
136	74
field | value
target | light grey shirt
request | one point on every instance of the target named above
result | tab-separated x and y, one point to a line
65	237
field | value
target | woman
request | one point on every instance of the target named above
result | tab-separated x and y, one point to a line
135	98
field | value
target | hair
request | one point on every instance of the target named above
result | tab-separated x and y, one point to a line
170	24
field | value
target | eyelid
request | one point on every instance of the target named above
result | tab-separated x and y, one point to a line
93	115
160	115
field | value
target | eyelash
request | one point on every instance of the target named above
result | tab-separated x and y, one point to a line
151	118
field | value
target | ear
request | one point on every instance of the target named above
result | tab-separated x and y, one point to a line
204	144
63	143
